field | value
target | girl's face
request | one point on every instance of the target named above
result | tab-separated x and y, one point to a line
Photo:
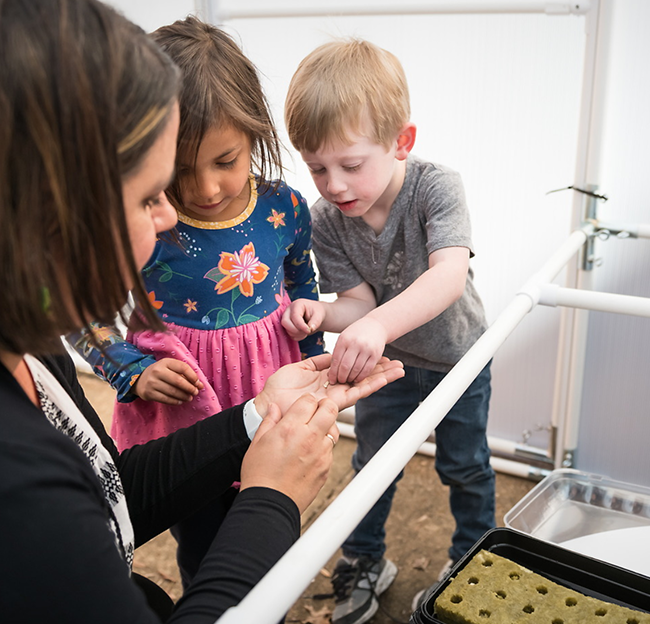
217	187
148	212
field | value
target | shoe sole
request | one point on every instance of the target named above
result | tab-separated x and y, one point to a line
374	605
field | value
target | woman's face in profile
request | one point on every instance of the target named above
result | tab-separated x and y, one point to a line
148	212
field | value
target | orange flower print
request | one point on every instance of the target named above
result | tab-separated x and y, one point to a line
277	219
190	306
241	270
154	303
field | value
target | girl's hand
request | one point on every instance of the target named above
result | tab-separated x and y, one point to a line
303	317
292	453
286	385
357	351
168	381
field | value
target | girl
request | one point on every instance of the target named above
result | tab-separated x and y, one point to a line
242	252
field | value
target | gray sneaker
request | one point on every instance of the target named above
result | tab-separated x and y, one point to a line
357	583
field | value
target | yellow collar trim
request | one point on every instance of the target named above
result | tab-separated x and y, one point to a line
222	225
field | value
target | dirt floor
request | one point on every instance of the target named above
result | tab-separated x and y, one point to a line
418	530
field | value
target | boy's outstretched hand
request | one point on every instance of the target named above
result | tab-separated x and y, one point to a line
357	351
286	385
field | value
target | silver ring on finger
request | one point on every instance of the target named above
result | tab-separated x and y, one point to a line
331	437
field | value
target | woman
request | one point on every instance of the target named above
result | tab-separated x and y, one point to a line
88	122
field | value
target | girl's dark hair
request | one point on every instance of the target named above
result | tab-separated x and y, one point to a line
220	87
84	94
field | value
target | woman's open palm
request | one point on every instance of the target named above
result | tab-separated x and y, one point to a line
290	382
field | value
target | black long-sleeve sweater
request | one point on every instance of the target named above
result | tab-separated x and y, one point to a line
58	560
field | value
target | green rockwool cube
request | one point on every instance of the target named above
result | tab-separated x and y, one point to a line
493	590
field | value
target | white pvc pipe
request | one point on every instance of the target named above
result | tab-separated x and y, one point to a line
510	447
518	469
234	10
532	288
569	372
568	440
499	464
553	295
345	424
560	383
274	595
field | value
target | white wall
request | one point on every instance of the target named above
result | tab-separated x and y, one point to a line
497	98
615	421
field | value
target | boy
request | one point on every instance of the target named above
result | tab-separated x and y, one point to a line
391	235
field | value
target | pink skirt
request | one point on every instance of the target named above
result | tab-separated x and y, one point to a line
233	364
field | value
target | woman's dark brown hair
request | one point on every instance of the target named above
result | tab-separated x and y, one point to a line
84	94
220	87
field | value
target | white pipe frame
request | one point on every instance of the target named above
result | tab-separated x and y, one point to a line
302	562
553	295
517	450
499	464
341	8
312	551
572	342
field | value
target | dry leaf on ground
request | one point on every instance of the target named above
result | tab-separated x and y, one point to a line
421	563
322	616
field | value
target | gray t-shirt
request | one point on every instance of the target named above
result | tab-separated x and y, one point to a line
429	213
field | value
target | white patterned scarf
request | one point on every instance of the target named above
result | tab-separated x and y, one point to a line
64	414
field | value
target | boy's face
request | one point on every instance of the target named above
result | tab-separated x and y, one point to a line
360	177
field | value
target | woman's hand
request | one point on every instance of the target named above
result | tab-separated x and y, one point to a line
311	376
292	453
168	381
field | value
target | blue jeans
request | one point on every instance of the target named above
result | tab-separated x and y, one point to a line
462	458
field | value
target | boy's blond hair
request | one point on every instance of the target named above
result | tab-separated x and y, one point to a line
339	86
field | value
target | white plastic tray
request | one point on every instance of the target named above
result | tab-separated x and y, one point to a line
570	504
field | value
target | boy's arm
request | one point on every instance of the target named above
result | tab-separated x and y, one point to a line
360	346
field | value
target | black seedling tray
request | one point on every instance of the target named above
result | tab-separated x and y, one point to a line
588	576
